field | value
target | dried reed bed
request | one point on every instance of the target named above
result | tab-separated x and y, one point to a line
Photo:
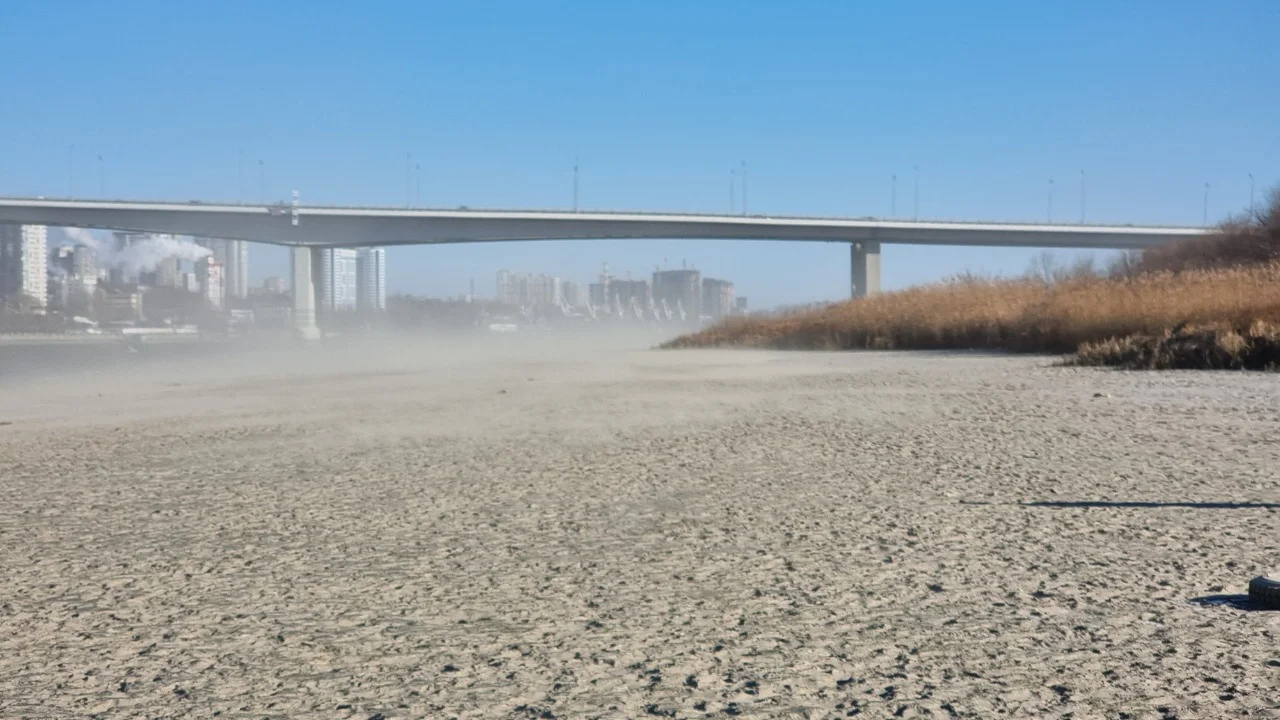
1205	303
1023	315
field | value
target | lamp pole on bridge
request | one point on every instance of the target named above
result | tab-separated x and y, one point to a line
1049	214
575	184
102	178
744	187
893	195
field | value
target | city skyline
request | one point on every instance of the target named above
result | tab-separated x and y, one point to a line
681	291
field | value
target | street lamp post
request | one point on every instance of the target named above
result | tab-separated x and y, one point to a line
1049	215
575	184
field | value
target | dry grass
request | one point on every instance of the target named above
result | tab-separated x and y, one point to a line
1218	346
1211	303
1018	315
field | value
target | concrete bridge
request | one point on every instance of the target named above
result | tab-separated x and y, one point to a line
308	229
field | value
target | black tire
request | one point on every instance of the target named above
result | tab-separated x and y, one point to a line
1265	592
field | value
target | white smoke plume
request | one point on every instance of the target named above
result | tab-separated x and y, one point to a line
80	236
148	254
140	256
71	237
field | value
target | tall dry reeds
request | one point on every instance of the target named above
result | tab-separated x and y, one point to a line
1221	293
1017	315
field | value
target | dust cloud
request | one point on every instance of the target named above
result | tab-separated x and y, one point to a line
575	525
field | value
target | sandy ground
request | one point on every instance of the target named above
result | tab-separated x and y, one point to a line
562	529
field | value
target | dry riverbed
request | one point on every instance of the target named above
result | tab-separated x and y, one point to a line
533	529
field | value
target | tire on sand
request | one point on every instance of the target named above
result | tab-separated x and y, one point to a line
1265	592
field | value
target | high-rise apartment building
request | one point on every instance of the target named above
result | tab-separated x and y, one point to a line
371	282
717	298
169	273
84	264
234	256
574	293
679	287
338	286
524	290
237	268
212	282
24	272
506	289
544	290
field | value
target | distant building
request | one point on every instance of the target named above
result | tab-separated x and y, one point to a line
573	293
84	264
371	280
169	272
62	261
506	290
598	293
274	285
59	290
740	305
338	280
118	306
679	287
524	290
237	268
543	290
625	291
24	265
125	240
127	273
212	282
717	298
234	257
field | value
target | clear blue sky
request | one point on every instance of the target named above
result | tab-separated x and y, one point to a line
825	101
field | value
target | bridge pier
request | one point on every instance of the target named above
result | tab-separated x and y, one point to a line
305	265
864	268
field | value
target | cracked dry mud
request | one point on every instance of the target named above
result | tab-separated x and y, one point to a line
555	530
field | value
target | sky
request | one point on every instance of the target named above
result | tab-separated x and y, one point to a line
825	102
